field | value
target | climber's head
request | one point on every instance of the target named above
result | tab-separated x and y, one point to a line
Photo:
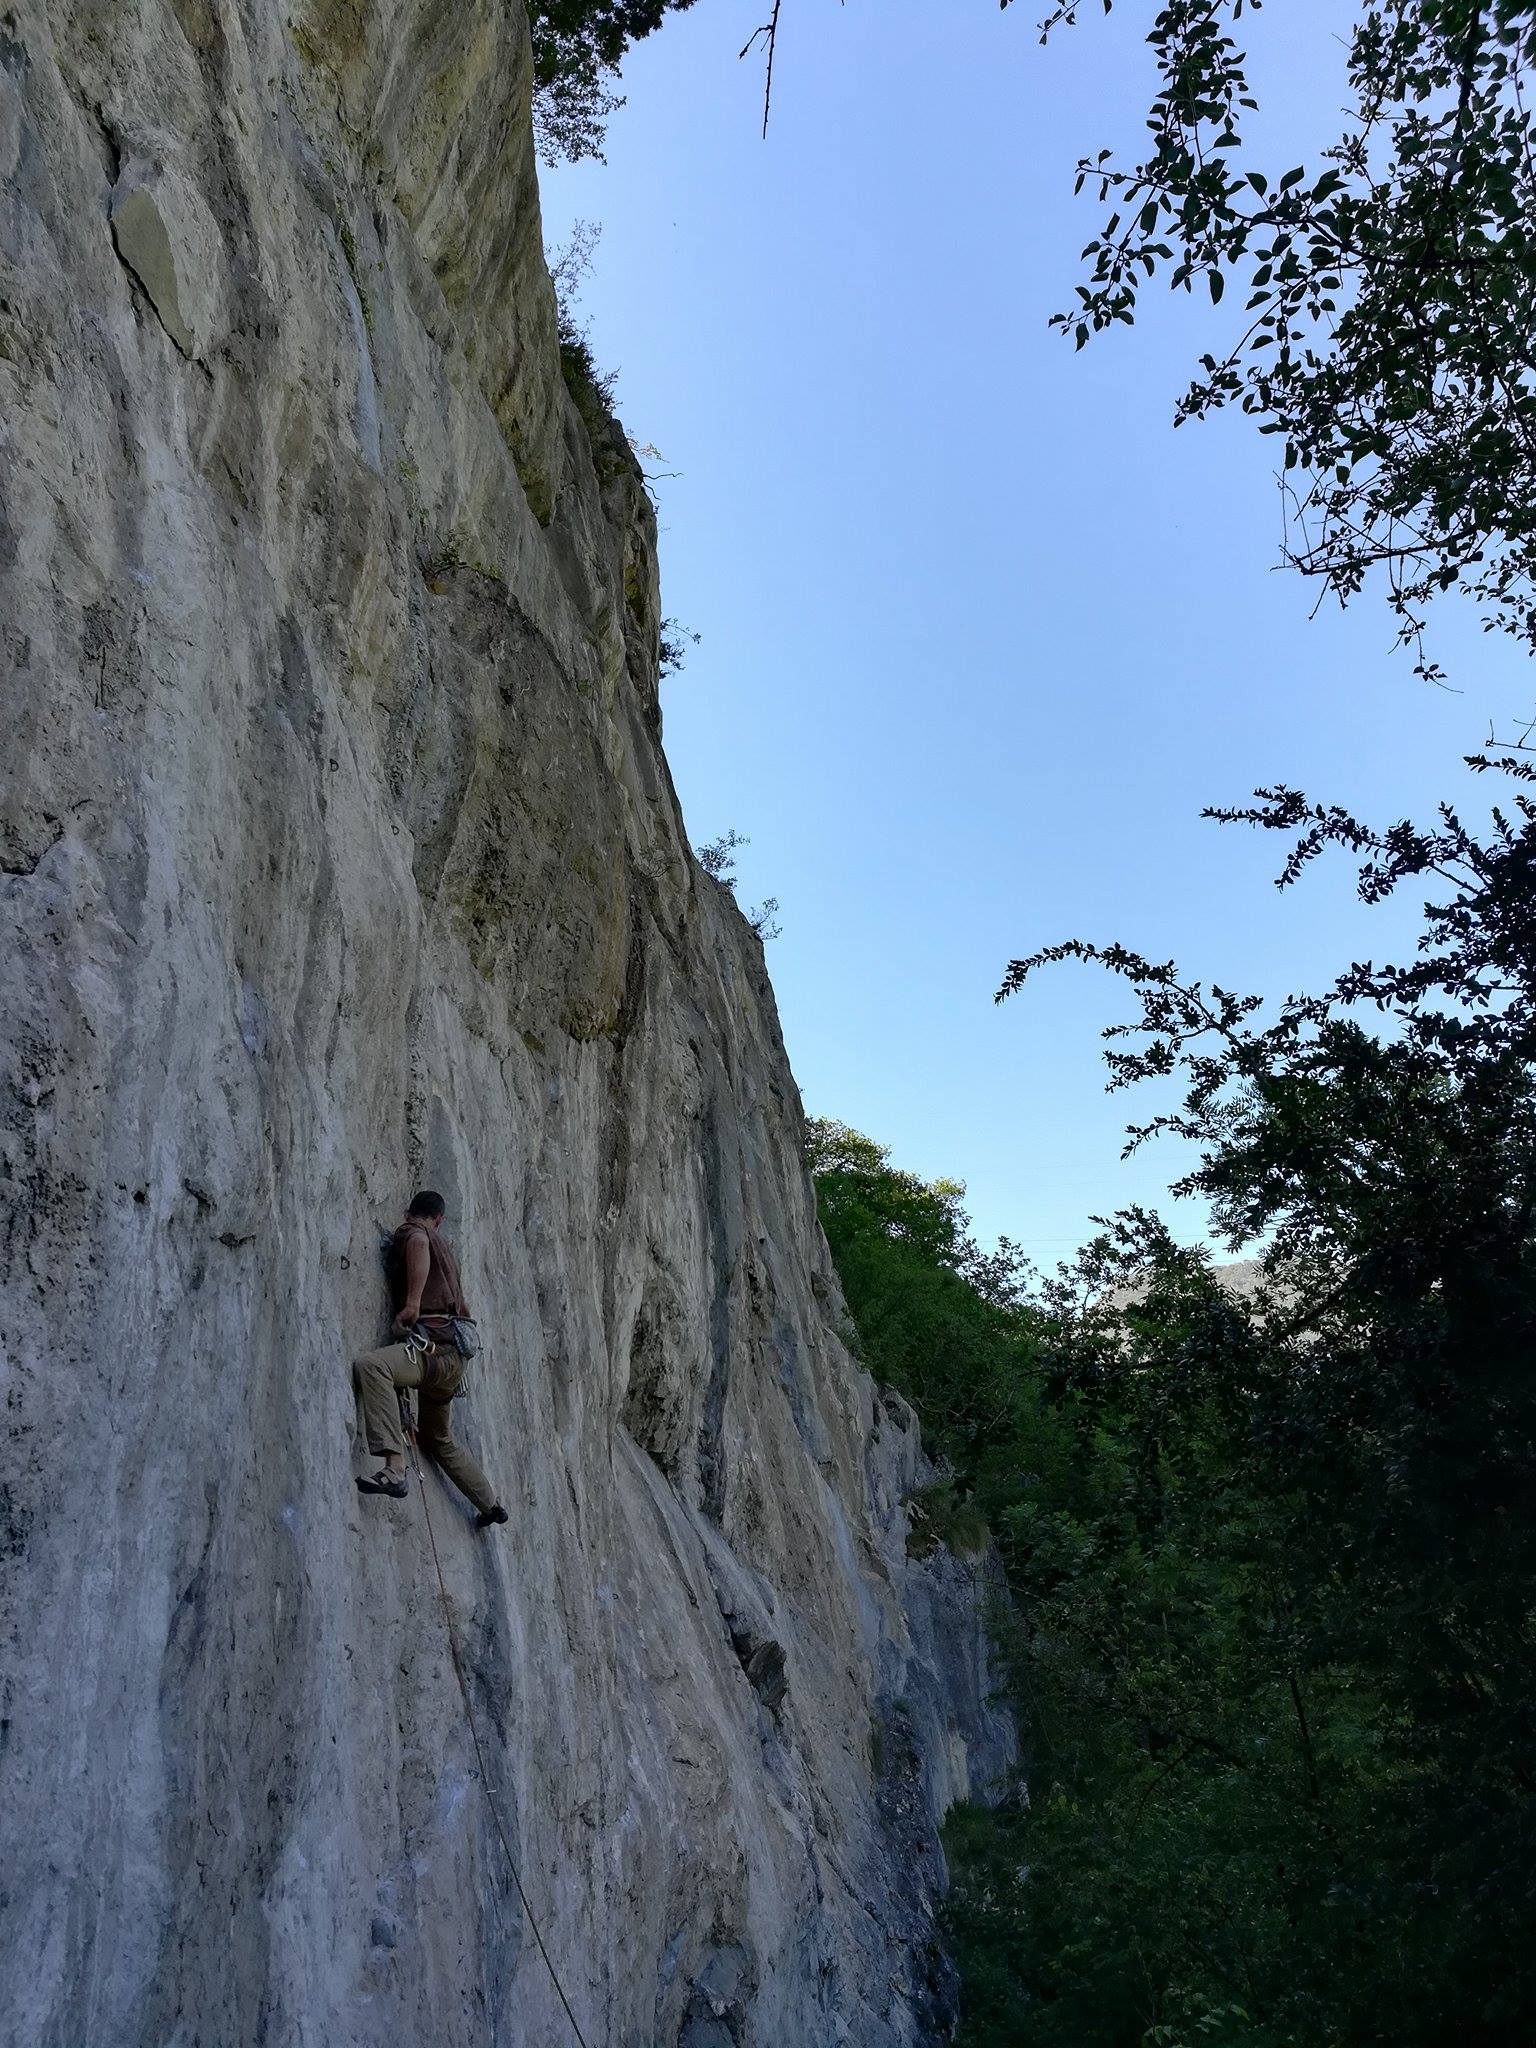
427	1207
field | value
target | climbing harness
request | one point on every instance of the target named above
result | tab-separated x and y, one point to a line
474	1736
461	1337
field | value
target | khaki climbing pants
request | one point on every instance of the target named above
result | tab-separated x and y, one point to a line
439	1374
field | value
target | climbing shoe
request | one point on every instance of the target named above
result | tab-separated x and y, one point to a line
489	1517
392	1483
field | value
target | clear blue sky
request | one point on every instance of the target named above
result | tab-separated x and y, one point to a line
981	631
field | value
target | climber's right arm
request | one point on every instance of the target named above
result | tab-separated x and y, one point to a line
418	1263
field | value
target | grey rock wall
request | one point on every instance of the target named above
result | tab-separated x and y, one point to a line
338	853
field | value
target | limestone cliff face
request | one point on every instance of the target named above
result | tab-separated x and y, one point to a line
338	853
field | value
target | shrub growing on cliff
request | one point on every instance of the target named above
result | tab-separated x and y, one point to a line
591	387
673	643
717	857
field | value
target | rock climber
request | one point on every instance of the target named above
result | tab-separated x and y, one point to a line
427	1299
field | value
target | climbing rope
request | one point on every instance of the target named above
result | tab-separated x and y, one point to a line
474	1736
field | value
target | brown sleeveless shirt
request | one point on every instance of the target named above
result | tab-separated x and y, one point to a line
442	1293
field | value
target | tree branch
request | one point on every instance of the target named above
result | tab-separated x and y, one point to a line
768	31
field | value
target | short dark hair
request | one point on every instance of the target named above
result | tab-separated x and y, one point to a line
426	1202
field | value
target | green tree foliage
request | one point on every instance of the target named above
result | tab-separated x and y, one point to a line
1388	330
935	1317
1271	1555
578	45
